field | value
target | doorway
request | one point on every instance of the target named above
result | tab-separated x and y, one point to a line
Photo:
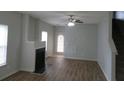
60	44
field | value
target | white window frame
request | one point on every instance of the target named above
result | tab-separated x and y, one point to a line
44	38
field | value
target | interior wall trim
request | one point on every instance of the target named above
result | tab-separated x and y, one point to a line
86	59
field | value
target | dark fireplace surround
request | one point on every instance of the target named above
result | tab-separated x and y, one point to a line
40	60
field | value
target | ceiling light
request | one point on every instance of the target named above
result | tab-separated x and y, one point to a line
71	24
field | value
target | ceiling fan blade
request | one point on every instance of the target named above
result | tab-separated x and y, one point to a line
74	20
79	21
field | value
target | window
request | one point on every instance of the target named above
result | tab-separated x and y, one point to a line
44	37
3	44
60	43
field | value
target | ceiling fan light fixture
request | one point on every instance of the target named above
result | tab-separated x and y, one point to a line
70	24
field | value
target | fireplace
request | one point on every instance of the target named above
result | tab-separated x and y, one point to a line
40	60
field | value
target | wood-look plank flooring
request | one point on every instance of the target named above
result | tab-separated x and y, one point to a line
60	69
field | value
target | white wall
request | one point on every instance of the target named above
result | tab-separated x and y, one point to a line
31	40
50	29
80	41
28	47
32	29
105	52
38	43
13	20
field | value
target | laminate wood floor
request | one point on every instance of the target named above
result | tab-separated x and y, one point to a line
60	69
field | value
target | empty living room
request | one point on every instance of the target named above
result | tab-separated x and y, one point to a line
57	46
61	46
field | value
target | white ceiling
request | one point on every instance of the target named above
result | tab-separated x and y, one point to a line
60	18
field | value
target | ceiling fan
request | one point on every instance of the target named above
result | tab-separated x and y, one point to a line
73	20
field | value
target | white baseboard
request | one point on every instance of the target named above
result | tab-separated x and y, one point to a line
27	69
80	58
3	77
104	72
